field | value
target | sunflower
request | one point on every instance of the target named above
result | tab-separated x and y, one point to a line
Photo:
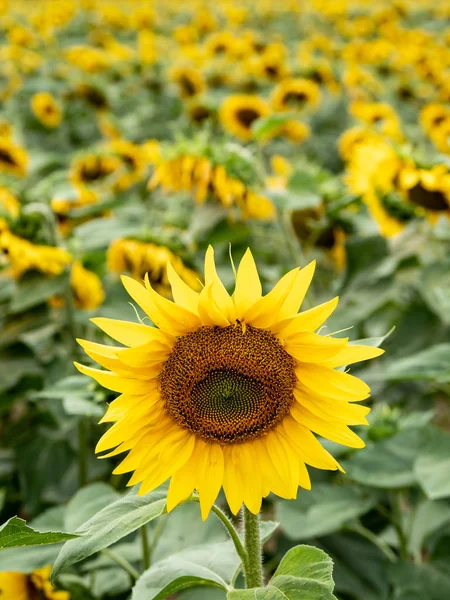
189	81
36	585
295	94
86	287
145	258
13	158
93	170
239	112
220	44
46	109
294	131
227	390
24	256
380	115
427	189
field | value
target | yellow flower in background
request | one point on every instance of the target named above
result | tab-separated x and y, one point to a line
221	44
188	79
294	131
239	112
227	390
351	138
46	109
13	158
86	287
144	258
134	163
23	256
380	115
295	95
91	170
36	585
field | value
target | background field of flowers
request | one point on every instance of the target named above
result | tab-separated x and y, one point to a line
136	133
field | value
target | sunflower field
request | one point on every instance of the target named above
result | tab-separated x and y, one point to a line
224	300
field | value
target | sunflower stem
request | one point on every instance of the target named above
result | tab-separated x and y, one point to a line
82	452
122	562
234	535
253	569
145	548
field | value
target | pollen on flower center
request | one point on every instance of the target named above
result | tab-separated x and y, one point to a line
227	384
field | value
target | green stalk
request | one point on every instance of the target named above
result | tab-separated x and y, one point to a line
253	569
145	548
122	562
82	452
398	524
230	529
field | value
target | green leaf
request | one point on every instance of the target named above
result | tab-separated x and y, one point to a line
323	510
387	463
432	466
15	533
431	364
428	517
111	524
87	502
34	289
434	286
419	582
209	564
261	128
304	573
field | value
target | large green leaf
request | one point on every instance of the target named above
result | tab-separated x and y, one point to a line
431	364
304	573
15	533
323	510
207	565
387	463
87	502
434	286
35	289
432	466
109	525
419	582
428	517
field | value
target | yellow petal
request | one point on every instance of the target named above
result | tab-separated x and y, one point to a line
307	446
100	349
182	483
148	355
210	477
337	410
308	320
182	294
221	296
330	383
232	482
284	461
352	354
208	310
114	382
331	430
248	286
169	461
310	347
265	311
175	318
246	463
292	304
126	332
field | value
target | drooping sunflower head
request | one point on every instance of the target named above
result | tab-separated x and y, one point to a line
33	586
227	390
295	95
239	112
13	158
46	109
189	81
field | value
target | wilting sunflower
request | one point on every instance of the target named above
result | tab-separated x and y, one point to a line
189	80
239	112
35	586
13	158
144	258
46	109
227	390
295	94
24	256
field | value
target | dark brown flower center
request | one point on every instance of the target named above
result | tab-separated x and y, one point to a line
431	199
227	384
246	116
6	158
295	98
